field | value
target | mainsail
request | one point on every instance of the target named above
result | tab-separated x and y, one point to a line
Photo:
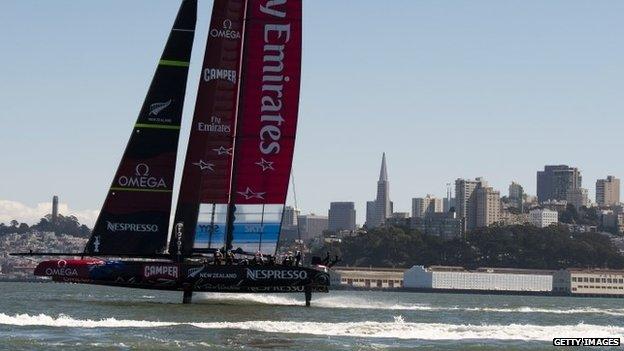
266	124
135	217
204	191
237	167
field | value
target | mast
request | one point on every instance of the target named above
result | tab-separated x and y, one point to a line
266	124
205	187
135	217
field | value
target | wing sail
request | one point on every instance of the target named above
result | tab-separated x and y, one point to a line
135	217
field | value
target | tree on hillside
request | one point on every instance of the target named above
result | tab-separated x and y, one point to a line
520	246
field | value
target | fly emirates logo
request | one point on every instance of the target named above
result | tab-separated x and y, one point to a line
276	37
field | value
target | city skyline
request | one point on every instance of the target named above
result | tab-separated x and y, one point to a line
496	98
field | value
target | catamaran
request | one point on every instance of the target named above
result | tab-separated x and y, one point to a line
236	171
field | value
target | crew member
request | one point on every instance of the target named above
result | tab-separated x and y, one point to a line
327	259
297	258
229	258
258	258
218	257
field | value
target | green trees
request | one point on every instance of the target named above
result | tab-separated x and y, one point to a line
513	246
63	225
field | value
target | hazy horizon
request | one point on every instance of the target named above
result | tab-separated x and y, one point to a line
447	90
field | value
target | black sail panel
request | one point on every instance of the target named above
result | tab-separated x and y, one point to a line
135	217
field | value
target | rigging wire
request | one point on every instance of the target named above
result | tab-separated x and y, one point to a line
292	179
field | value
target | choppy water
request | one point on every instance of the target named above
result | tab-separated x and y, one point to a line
45	316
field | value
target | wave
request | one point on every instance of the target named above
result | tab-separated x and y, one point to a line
352	302
398	328
66	321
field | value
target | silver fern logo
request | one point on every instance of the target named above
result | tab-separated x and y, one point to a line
157	107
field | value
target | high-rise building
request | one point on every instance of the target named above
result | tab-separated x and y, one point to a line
289	218
421	206
370	213
448	203
381	209
311	226
54	208
608	191
578	198
554	182
516	195
341	216
289	229
443	224
465	201
487	206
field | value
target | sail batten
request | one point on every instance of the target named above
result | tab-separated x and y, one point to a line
135	217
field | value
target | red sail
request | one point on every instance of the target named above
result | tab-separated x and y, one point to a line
205	187
267	122
269	102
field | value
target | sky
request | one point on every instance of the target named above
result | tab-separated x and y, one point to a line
448	89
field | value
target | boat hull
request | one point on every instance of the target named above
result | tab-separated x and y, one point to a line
166	275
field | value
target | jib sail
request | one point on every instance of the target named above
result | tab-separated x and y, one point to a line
135	217
205	187
267	123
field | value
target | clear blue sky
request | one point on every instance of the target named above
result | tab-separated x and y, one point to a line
447	89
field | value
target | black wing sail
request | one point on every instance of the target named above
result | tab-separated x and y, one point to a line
135	217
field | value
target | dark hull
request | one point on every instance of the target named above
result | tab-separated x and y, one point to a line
161	275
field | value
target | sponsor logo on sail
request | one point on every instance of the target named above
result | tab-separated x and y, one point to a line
163	271
131	227
142	179
208	228
96	242
215	126
276	274
254	228
228	75
276	36
62	270
225	32
157	107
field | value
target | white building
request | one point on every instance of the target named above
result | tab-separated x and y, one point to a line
368	278
542	218
483	279
589	282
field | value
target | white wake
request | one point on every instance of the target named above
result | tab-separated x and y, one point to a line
354	302
397	328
